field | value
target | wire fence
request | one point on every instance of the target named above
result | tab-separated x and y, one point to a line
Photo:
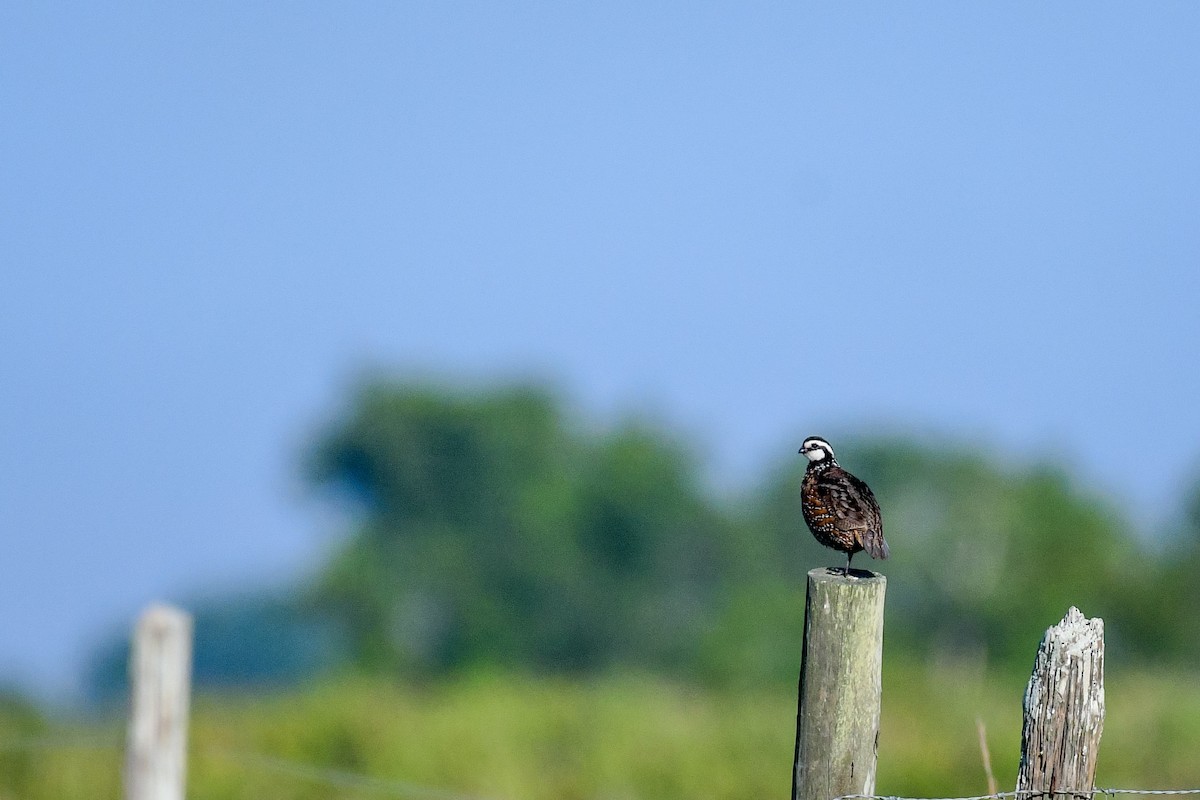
35	744
1027	794
331	777
172	662
336	778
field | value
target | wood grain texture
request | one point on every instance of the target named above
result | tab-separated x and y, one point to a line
1064	710
837	722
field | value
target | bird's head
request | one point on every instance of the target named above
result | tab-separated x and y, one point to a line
816	449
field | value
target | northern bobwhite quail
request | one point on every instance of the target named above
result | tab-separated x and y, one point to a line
840	510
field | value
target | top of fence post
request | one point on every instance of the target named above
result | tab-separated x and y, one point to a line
1064	710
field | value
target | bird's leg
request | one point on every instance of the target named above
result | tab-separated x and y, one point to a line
849	558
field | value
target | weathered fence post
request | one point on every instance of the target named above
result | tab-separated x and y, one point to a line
837	724
1064	711
160	677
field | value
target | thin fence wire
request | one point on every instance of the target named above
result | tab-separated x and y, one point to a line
313	773
339	778
345	779
1027	794
30	744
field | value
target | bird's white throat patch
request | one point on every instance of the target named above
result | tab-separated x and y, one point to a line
815	453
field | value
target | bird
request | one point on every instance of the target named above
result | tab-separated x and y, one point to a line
840	510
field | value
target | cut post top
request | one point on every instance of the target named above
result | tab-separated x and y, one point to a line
857	577
162	615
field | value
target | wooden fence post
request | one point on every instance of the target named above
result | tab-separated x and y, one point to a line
160	677
1064	711
837	723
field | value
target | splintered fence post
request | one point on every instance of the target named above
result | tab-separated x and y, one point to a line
837	724
160	675
1064	712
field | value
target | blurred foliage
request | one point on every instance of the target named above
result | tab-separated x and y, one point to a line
489	528
260	639
492	529
20	721
528	606
618	736
1171	598
986	557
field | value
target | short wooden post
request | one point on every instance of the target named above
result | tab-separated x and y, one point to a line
160	677
837	724
1064	711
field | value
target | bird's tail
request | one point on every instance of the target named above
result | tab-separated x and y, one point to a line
875	546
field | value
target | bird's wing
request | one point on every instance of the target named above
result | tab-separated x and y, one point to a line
864	517
851	501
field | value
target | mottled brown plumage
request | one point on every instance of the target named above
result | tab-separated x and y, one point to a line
840	510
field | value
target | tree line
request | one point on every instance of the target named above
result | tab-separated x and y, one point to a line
494	528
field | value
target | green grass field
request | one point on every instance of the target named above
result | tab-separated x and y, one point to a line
520	738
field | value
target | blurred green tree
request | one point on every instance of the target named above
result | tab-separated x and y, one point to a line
1171	599
492	530
984	556
489	527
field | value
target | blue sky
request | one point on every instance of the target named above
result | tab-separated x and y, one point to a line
755	220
